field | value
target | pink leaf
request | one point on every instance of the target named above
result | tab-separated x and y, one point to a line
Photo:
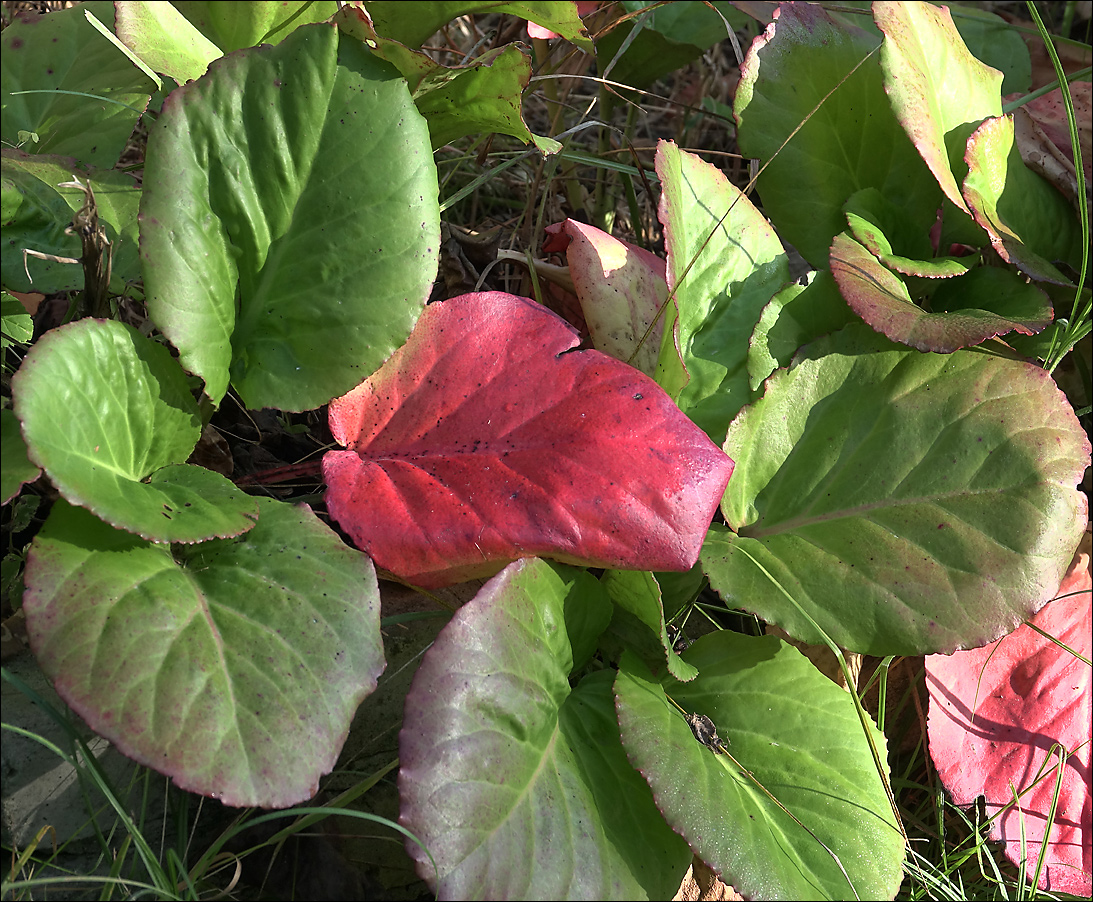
995	714
482	441
621	289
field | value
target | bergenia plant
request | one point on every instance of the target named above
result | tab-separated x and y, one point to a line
851	455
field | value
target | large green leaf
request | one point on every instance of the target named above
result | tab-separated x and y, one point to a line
234	667
516	784
61	58
997	43
34	218
724	264
852	141
103	409
907	502
799	736
301	177
37	212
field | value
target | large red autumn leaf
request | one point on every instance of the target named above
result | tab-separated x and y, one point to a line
482	441
996	714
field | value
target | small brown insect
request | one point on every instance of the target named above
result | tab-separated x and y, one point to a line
680	643
705	731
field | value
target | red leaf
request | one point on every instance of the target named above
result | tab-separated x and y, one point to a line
481	441
996	712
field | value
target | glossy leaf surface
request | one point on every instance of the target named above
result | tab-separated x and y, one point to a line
908	502
234	667
482	440
103	409
165	39
996	713
799	735
301	177
515	783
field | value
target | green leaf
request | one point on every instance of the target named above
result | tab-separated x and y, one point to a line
882	228
234	668
909	503
165	39
87	94
234	26
103	408
724	264
483	96
672	35
967	310
301	177
18	468
939	91
37	211
17	326
35	217
413	24
852	141
637	592
799	735
1029	221
997	43
795	315
516	784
